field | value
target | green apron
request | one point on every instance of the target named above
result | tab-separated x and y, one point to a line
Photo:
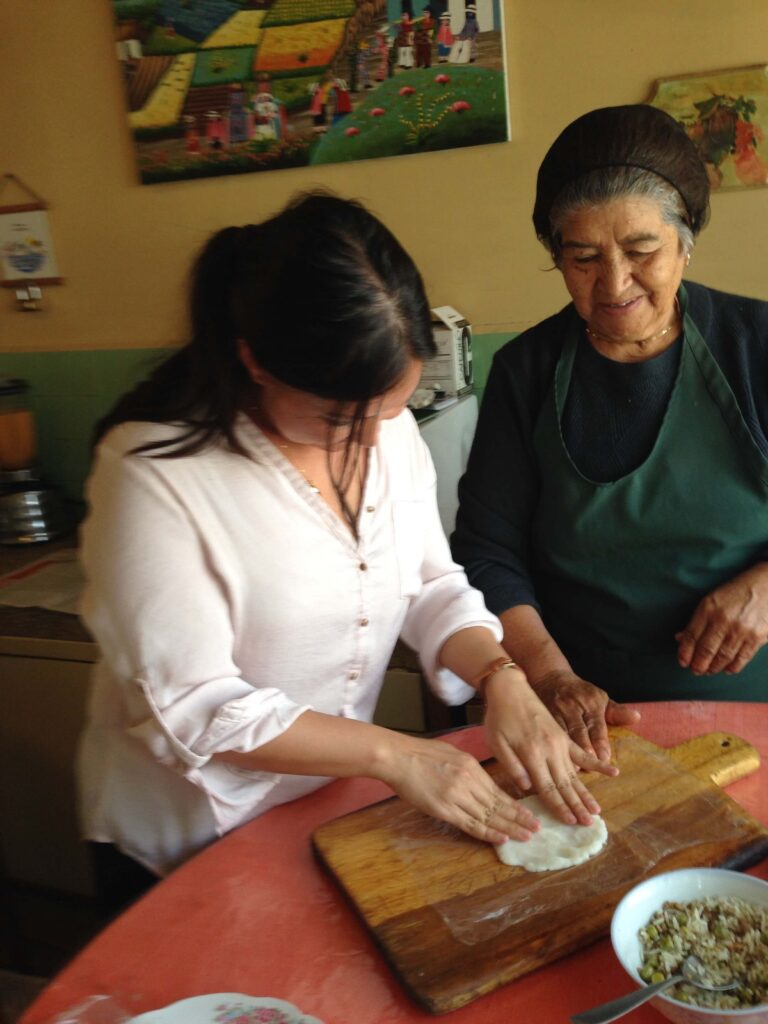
619	567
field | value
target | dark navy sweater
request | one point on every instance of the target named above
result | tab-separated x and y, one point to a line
611	419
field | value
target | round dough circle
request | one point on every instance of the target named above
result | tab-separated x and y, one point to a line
556	845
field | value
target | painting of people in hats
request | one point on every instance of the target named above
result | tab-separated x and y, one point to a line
464	49
212	89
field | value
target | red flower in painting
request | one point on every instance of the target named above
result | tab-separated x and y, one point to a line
747	135
378	111
442	79
407	90
750	169
351	130
460	106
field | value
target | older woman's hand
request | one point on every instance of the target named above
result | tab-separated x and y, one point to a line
583	710
729	626
536	752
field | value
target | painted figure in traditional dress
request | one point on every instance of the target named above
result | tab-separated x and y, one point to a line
381	52
215	130
444	38
422	39
342	102
321	97
464	50
238	114
363	72
191	135
404	42
267	122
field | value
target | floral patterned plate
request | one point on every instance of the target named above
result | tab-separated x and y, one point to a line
226	1008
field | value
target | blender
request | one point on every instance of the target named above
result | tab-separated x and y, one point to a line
30	511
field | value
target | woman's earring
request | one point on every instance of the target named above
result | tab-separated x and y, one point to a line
687	259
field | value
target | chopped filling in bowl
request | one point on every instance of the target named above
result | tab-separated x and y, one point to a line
729	936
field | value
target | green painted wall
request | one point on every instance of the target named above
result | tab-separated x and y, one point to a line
484	346
70	391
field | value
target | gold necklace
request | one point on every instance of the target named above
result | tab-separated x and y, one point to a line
311	484
638	341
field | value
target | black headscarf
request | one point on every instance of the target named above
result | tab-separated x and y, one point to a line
635	135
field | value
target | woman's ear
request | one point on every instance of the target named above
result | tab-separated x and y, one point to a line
255	372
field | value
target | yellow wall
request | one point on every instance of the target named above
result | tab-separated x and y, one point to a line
124	248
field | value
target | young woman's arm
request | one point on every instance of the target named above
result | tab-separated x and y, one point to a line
435	777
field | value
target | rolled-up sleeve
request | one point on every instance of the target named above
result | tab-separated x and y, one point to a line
161	617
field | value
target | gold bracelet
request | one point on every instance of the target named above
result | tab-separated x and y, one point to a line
495	666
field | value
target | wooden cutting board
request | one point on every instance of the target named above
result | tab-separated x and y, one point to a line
454	923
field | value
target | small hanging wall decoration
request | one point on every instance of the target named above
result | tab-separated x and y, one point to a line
26	248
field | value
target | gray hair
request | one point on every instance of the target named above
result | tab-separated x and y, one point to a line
607	184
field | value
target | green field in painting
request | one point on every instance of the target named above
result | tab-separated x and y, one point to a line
221	67
416	113
294	12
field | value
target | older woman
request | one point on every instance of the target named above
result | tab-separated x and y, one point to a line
615	508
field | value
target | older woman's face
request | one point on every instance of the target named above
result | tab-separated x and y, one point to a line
622	264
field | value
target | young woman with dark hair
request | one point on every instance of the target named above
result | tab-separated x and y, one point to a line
262	528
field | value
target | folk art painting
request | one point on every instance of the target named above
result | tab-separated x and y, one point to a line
726	115
233	86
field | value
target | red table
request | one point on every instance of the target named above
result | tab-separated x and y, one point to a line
254	913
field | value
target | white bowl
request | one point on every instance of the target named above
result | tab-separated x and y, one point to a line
640	903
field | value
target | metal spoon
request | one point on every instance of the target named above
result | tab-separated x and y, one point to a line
691	969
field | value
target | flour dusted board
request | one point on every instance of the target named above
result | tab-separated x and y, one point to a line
455	924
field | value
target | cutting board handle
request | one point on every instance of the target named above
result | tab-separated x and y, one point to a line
720	757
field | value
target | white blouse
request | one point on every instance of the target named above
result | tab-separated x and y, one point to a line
227	598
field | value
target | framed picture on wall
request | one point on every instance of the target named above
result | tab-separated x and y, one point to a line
726	115
26	249
235	86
